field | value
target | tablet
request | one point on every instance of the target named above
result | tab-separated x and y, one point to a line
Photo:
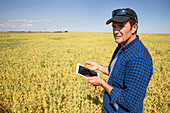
82	71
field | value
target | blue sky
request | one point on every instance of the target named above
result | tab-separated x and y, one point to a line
80	15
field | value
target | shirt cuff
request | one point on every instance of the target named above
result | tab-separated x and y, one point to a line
114	94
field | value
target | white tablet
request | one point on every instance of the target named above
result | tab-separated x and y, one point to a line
82	71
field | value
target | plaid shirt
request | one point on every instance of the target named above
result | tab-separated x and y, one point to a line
129	78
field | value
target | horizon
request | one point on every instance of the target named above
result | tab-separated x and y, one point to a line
68	32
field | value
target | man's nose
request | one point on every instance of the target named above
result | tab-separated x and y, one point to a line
116	30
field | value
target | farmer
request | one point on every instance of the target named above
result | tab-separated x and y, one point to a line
130	68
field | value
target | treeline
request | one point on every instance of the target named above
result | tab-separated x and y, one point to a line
34	31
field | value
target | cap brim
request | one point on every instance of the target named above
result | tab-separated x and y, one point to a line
118	19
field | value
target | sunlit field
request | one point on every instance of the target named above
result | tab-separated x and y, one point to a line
37	72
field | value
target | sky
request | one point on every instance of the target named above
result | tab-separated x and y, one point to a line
80	15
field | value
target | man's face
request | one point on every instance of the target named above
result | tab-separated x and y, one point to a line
122	32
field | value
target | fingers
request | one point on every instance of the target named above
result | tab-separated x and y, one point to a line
92	65
88	63
91	80
95	81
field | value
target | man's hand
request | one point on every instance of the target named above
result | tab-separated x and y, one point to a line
93	66
95	81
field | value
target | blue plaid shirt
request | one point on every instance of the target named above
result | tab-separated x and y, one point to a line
129	78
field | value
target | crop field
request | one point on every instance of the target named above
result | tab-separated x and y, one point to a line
37	72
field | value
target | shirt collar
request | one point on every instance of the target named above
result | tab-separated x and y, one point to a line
130	44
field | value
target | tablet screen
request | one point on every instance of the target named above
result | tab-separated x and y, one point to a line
82	71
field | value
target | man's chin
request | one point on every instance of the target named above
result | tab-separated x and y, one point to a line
118	41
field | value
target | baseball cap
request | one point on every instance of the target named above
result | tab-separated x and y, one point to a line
122	15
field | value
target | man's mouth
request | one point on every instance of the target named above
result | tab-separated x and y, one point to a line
117	37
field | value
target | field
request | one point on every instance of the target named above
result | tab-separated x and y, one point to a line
37	72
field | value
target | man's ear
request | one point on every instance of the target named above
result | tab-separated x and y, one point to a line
134	28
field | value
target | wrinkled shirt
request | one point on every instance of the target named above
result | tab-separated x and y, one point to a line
129	78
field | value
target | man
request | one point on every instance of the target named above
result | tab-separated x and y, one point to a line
130	68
